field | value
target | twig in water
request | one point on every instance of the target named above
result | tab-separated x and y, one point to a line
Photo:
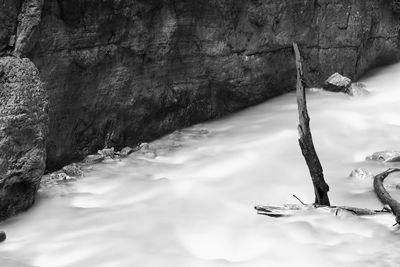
299	200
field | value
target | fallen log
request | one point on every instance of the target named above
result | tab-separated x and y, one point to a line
384	196
321	188
293	209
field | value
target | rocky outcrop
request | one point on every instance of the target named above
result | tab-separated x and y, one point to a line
121	72
9	10
23	132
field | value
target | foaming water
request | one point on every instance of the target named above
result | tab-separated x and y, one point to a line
192	204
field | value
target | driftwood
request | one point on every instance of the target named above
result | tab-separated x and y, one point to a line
292	209
321	188
384	196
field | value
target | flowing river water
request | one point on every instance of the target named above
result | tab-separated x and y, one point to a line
190	201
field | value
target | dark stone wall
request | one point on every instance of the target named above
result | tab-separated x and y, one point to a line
119	72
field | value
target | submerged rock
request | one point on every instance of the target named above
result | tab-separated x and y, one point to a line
2	236
143	147
126	151
107	152
92	159
385	156
337	83
73	170
358	89
361	174
55	178
23	133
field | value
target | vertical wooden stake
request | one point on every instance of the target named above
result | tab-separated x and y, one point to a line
321	188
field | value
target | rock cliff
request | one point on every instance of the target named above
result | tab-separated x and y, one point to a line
123	71
23	132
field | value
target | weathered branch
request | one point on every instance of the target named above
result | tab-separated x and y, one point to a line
289	210
321	188
384	196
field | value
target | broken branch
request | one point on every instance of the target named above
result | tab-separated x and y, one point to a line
321	188
384	196
289	210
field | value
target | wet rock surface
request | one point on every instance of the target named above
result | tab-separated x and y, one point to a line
337	83
385	156
3	236
93	159
73	170
361	174
126	151
61	182
358	89
23	132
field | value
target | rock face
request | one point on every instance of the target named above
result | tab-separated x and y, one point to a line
121	72
28	21
23	131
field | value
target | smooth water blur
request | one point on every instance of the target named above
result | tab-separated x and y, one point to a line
192	205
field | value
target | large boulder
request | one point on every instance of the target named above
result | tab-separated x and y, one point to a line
23	132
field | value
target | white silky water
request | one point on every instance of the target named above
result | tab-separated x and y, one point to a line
193	204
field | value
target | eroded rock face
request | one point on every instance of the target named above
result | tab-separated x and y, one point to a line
9	10
23	131
121	72
28	21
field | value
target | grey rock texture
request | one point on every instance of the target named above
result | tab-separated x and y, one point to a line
361	174
28	21
23	132
121	72
337	83
395	5
9	10
358	89
385	156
